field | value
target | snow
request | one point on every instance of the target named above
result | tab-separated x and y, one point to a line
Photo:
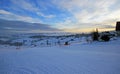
93	58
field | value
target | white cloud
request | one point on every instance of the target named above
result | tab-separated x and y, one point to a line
88	12
29	6
46	16
84	4
4	12
24	4
11	16
67	23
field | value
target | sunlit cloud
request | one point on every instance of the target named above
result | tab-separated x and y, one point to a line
91	12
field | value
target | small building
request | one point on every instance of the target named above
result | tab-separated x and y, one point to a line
118	26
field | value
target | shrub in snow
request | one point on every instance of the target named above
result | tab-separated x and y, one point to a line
105	38
66	43
72	40
108	35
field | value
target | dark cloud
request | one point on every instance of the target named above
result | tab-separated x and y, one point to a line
107	26
103	26
7	26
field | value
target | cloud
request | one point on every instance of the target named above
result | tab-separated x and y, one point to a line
10	16
4	12
46	16
24	4
88	12
30	6
63	14
80	5
19	26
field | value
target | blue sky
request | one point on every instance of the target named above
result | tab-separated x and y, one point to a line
67	15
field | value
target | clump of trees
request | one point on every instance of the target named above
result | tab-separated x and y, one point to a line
104	36
95	35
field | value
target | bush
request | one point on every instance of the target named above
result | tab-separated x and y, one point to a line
95	36
105	38
66	43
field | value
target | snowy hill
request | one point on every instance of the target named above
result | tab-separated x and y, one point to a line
95	58
42	39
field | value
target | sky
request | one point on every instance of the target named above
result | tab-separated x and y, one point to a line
65	15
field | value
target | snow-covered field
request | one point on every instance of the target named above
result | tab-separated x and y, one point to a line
95	58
